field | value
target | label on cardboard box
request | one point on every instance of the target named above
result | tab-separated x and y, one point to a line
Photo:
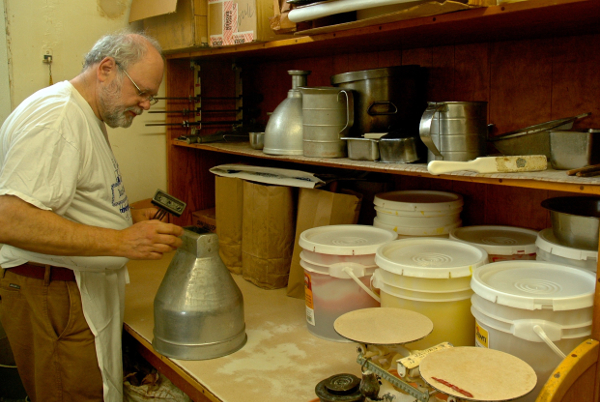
230	23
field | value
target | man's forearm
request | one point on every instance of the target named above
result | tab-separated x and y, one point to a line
25	226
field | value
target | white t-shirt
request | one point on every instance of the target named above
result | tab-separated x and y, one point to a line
55	155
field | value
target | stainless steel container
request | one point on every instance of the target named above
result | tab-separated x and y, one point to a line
198	309
362	149
532	140
454	130
327	115
574	149
283	133
575	220
386	98
398	150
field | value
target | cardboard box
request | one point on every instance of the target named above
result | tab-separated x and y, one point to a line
176	24
233	22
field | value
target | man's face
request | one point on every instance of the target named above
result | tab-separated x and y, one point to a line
116	113
131	90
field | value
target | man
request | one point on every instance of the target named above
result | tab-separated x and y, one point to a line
66	224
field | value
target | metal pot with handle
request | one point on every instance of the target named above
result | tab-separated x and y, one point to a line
385	98
327	115
454	131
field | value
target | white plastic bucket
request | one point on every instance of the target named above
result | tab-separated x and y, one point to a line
537	311
416	231
419	200
549	249
338	264
431	276
502	243
420	221
331	292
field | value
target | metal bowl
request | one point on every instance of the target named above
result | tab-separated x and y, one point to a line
575	220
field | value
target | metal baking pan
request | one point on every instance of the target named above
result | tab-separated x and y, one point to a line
574	149
362	149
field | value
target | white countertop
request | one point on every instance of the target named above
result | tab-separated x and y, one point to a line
281	361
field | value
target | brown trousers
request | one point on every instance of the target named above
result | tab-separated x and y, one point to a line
53	346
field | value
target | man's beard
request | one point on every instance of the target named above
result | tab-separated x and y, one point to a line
115	115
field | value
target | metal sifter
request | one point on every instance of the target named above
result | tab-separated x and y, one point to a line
198	309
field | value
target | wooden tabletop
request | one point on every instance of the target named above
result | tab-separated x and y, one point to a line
280	361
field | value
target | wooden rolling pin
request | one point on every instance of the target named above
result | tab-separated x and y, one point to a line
586	171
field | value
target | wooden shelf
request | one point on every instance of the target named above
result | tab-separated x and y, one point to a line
524	19
550	179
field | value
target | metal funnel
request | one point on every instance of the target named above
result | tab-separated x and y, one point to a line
198	309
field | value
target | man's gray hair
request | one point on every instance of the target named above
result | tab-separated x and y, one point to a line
125	47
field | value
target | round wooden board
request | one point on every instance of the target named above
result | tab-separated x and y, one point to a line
383	326
487	374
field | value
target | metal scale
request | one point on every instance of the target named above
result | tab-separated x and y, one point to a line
455	374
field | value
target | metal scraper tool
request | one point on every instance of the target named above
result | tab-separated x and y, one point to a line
166	203
492	164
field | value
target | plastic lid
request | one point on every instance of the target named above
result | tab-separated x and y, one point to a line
547	241
535	285
345	239
419	200
501	240
430	257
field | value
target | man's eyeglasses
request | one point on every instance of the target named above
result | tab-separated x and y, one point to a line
149	98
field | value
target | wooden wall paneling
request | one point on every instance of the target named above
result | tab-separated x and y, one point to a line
222	73
420	56
471	73
341	63
474	197
389	58
576	79
515	206
179	83
364	61
321	69
521	84
441	74
271	79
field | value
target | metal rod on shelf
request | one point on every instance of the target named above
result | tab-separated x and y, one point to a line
198	110
197	98
197	123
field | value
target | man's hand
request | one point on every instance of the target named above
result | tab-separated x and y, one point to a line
150	239
143	214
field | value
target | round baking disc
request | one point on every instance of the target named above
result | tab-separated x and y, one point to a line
487	374
383	326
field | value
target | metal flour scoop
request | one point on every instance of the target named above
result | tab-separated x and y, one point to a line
198	309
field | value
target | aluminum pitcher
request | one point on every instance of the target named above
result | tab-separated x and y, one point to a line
454	131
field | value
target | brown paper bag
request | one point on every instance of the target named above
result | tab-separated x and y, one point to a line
318	208
228	215
268	234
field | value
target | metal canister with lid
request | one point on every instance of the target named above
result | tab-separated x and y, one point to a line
386	98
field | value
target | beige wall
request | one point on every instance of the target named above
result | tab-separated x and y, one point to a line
68	28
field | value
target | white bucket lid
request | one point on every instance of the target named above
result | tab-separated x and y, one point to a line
345	239
430	257
547	241
501	240
416	230
534	285
418	200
